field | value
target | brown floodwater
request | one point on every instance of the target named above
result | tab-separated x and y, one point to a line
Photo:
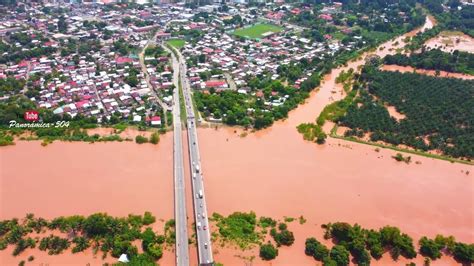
443	74
80	178
273	172
451	41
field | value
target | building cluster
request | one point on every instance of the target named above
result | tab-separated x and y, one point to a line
89	60
243	58
93	65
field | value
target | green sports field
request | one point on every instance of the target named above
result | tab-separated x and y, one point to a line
176	43
257	31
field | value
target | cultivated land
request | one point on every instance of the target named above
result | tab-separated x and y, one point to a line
177	43
257	31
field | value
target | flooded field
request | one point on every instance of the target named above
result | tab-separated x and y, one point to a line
449	41
273	172
443	74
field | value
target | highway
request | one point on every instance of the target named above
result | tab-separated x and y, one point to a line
203	235
199	198
205	256
181	227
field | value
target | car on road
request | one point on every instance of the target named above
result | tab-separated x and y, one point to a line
205	245
199	225
204	227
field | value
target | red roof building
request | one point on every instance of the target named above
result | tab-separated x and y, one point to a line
123	60
215	83
154	120
326	17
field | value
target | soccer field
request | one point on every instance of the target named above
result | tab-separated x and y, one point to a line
257	31
176	43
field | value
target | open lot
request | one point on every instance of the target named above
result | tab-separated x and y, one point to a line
257	31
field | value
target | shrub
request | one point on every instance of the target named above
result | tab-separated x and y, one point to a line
268	251
284	236
141	139
148	218
155	138
81	244
267	222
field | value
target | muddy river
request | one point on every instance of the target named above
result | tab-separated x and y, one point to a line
273	172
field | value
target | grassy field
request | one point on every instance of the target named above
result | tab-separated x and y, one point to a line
257	31
176	43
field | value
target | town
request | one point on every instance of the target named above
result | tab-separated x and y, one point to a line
105	61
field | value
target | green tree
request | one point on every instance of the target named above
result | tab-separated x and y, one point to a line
340	255
314	248
464	252
429	248
268	251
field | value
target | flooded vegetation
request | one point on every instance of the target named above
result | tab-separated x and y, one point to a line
450	41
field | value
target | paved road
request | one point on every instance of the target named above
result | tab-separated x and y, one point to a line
199	197
203	235
141	56
182	250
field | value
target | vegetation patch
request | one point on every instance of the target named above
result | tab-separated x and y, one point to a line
238	228
101	232
141	139
364	244
312	132
400	158
282	236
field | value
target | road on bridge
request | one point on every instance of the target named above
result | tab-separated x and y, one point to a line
181	226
